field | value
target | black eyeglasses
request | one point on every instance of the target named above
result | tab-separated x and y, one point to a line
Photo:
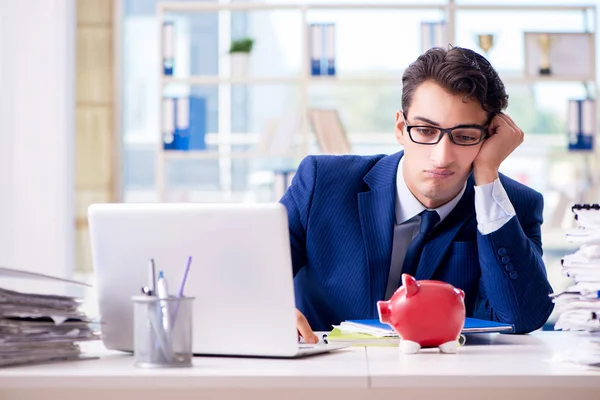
462	135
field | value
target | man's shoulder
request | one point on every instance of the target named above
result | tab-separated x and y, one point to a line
518	191
345	165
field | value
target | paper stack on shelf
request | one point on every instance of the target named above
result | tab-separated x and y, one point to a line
40	327
578	307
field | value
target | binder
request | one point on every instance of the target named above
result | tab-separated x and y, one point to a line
197	123
375	327
581	123
330	48
184	123
316	48
41	326
432	35
167	48
168	123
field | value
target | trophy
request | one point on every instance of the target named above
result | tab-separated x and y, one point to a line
485	42
544	41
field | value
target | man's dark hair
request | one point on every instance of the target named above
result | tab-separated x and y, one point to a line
458	71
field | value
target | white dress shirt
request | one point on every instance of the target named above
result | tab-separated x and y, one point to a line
492	208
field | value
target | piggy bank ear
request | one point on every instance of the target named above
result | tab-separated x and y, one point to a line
460	292
410	285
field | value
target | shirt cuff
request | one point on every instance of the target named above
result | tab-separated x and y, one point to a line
492	207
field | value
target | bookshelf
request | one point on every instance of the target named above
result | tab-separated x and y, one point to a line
303	81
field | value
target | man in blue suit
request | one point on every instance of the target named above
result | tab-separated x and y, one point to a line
439	209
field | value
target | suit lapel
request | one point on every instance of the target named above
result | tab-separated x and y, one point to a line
443	235
376	211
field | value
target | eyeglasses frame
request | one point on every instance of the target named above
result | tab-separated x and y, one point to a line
483	129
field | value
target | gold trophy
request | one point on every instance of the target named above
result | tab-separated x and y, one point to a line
545	42
485	42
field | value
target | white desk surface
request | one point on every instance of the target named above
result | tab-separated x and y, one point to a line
490	365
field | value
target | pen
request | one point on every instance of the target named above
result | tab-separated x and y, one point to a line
185	275
161	286
163	293
152	277
181	287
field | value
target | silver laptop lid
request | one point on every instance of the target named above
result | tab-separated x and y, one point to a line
241	273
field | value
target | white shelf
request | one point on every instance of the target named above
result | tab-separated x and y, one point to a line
540	79
214	154
214	7
367	80
375	6
217	80
523	7
325	79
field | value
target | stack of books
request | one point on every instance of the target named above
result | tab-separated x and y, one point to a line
371	332
578	307
38	328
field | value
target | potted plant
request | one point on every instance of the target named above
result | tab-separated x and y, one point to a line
239	53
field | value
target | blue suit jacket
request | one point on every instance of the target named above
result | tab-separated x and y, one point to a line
341	220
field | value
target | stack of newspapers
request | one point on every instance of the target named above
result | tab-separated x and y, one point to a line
38	328
578	306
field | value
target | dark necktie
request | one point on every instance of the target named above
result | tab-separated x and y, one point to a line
413	254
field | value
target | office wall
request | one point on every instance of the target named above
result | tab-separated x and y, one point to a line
95	178
7	83
37	44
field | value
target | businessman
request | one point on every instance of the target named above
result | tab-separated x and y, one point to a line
439	209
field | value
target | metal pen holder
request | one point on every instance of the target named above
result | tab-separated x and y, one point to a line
162	331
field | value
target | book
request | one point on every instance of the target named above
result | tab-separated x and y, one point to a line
472	325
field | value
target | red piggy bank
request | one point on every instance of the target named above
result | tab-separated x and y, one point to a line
425	314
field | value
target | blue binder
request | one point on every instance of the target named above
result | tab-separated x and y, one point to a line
581	124
189	135
472	325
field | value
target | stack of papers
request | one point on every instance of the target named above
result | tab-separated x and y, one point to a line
370	327
363	332
585	353
40	327
578	307
373	332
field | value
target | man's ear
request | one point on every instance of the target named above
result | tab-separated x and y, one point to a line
399	129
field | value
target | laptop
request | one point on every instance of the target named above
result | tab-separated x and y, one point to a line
240	275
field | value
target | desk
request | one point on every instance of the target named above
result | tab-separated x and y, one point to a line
490	366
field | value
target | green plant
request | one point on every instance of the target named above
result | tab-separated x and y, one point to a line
243	45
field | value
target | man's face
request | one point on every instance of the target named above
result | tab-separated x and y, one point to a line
435	174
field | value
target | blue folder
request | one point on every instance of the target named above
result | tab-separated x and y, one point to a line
472	325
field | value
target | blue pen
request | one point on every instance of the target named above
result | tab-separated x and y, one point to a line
185	275
595	294
181	287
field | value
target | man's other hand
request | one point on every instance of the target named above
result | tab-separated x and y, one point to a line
505	137
304	329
